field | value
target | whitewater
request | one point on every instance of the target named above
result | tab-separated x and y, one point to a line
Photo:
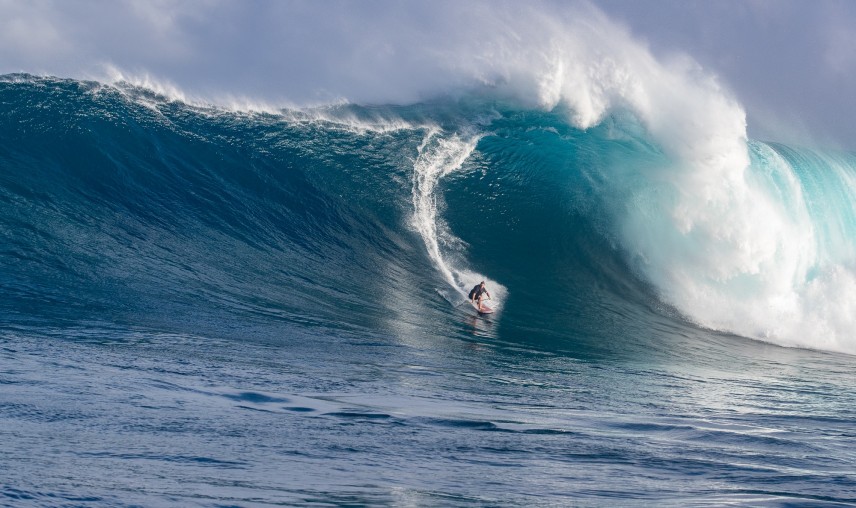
210	302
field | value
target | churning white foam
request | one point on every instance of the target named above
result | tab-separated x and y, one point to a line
772	259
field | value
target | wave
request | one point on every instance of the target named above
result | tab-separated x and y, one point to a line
123	204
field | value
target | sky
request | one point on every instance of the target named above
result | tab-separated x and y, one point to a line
790	63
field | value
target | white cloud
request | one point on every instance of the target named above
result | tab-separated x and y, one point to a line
840	54
30	32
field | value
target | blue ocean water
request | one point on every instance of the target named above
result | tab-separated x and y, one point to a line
204	307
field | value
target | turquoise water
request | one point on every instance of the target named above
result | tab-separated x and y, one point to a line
216	308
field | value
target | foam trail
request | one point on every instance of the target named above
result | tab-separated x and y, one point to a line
439	156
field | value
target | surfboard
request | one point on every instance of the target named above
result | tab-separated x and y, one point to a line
484	308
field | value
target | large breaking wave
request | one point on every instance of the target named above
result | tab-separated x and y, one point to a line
122	204
576	157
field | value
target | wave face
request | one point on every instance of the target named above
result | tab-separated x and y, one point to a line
122	205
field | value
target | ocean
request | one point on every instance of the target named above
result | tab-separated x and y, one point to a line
209	306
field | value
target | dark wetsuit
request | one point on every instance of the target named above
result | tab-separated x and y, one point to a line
477	291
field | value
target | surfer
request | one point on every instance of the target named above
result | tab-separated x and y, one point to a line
477	293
